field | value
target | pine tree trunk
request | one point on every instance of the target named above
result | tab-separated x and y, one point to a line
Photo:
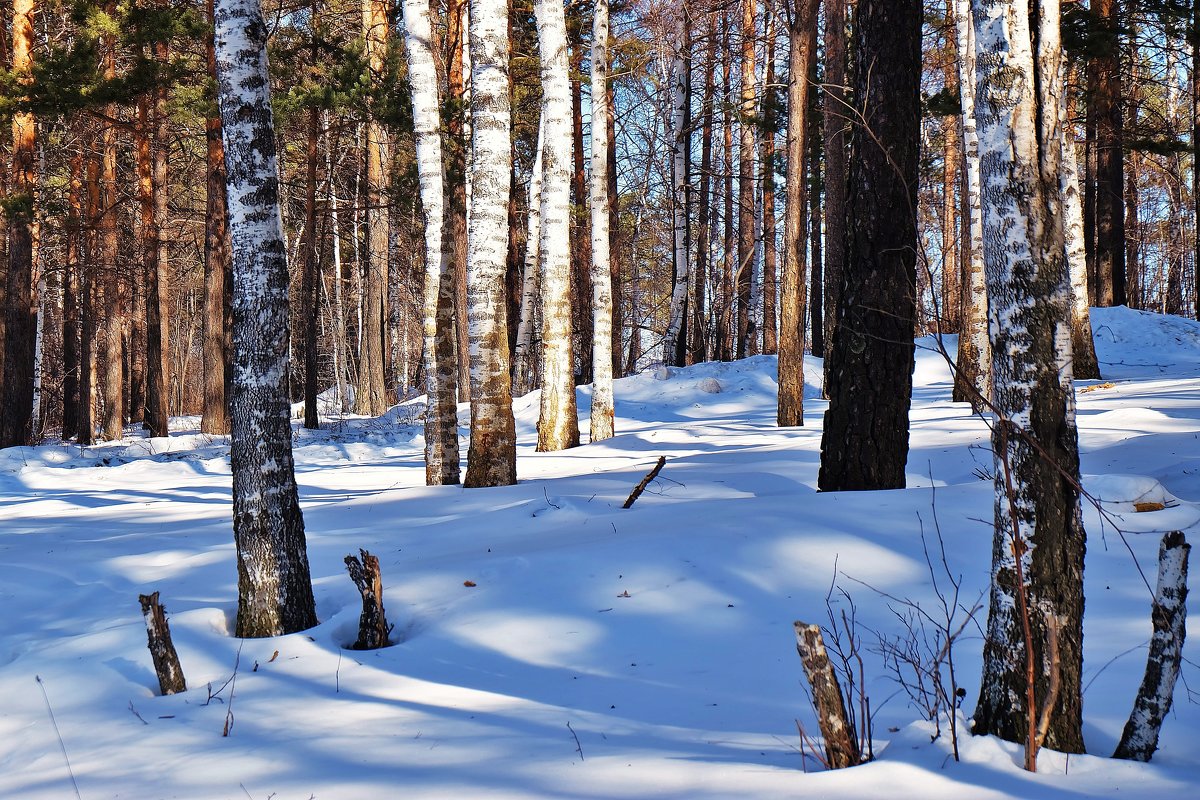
725	311
603	412
746	216
770	267
217	326
457	45
836	123
1038	545
864	444
802	37
558	425
116	317
158	369
89	300
1106	95
20	310
437	318
816	289
372	396
951	302
491	459
71	301
310	267
274	589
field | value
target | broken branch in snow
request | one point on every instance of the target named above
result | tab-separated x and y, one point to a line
841	740
641	487
1168	613
162	650
373	628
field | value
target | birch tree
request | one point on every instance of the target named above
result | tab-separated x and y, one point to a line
1083	346
441	371
274	589
523	368
16	405
602	287
972	374
492	457
1038	544
558	424
679	109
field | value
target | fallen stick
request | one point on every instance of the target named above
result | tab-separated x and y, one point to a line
641	487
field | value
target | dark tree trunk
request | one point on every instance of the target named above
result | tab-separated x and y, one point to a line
162	649
728	266
308	249
864	444
770	120
155	257
20	314
704	200
373	628
274	589
456	186
581	247
71	342
836	124
745	246
88	302
816	288
1106	95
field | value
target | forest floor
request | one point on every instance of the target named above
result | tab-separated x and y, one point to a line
551	644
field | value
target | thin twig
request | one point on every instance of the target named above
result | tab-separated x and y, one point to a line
578	746
61	744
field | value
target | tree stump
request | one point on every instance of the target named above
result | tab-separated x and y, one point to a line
1169	613
841	740
162	650
373	628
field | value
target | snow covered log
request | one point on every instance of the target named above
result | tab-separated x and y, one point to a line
1169	613
373	628
841	740
162	649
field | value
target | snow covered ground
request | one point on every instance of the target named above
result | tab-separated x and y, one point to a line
551	644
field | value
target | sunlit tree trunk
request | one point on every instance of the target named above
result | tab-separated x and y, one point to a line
1106	95
802	37
770	278
491	459
672	343
558	424
441	416
1038	544
972	374
1083	347
372	397
602	289
218	326
116	316
274	588
745	269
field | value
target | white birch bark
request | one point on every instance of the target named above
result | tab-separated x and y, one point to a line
339	307
973	372
1083	347
603	411
274	588
523	353
558	424
492	459
441	373
1038	544
678	79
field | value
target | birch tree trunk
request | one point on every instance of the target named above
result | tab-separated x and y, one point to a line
802	38
441	371
523	367
697	349
558	424
1083	346
16	404
1038	545
678	132
371	398
274	589
972	374
492	457
603	412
